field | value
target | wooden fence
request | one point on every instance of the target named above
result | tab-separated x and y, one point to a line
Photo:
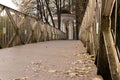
17	28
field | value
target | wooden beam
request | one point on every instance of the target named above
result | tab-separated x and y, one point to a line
32	30
108	7
111	55
116	13
2	8
34	25
21	22
14	25
29	38
39	36
11	40
11	19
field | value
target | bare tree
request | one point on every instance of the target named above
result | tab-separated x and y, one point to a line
80	10
48	8
44	9
26	6
58	7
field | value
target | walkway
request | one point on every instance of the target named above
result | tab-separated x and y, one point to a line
53	60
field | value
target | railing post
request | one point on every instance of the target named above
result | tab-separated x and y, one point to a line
14	25
107	56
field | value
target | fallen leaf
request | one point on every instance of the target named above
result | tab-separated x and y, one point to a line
73	74
77	62
97	79
52	71
23	78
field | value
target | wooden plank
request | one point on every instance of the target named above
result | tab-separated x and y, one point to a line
11	19
11	40
21	22
2	8
29	38
39	36
116	13
34	25
32	30
111	55
14	25
108	7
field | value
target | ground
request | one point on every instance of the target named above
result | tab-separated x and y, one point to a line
53	60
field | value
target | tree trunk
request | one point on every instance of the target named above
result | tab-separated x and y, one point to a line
80	10
48	8
78	17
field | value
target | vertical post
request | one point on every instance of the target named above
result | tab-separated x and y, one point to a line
70	30
5	27
107	56
64	26
116	19
61	25
74	28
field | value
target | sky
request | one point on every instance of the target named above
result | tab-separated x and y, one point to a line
8	3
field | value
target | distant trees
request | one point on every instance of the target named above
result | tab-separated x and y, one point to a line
56	6
26	6
44	9
80	10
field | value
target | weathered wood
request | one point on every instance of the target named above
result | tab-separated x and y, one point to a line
107	60
14	25
116	13
111	55
12	20
29	38
21	22
102	60
1	10
26	22
11	40
39	36
32	31
108	7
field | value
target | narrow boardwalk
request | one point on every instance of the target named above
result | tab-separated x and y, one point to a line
54	60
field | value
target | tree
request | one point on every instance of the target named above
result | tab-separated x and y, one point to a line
58	7
44	9
62	4
50	13
38	8
80	10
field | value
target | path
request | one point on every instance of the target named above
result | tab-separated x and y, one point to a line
53	60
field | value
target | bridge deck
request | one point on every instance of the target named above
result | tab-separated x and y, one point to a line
54	60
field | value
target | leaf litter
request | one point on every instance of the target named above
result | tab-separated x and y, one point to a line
72	72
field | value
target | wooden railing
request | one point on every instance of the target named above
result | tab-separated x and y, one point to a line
17	28
98	33
88	31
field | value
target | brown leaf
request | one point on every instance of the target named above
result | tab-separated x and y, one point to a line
52	71
23	78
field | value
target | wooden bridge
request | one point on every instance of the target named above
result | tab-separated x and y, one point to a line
99	32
